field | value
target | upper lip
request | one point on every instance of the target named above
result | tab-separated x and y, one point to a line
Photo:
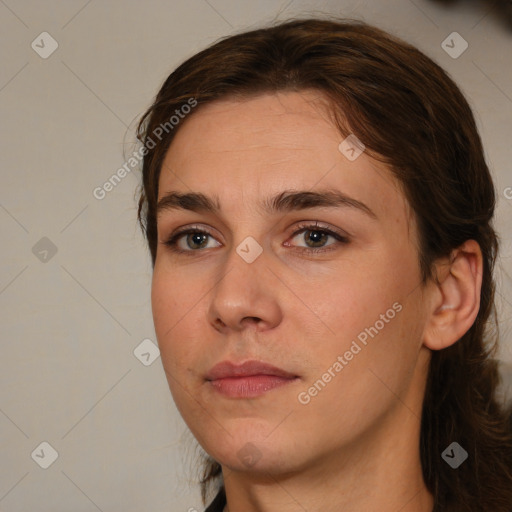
226	369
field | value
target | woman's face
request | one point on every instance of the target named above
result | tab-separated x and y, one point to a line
308	262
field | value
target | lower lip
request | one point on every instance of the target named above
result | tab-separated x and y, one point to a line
249	387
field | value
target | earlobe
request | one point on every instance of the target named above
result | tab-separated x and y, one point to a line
455	298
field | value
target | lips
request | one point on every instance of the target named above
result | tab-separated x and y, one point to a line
226	369
248	380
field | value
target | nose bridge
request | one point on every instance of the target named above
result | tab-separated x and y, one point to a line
244	290
243	272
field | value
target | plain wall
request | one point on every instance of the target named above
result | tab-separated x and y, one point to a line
71	321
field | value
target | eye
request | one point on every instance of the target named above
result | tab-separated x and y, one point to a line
191	240
316	238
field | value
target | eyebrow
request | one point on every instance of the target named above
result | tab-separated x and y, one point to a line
286	201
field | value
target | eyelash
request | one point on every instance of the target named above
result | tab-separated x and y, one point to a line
301	228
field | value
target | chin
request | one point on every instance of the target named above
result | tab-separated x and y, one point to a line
250	448
255	459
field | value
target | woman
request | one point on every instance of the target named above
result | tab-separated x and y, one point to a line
318	211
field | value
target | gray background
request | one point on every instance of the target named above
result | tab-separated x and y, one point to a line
71	321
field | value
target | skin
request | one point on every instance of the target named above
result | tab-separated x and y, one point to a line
355	445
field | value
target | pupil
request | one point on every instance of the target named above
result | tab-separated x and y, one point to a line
317	237
197	239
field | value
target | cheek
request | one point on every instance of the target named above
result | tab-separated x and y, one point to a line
175	305
352	300
372	375
163	302
174	295
365	313
175	315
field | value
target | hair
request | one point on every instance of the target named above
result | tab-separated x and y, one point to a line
411	116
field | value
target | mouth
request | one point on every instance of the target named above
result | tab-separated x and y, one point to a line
247	380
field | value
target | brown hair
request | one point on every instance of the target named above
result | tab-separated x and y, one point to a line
410	115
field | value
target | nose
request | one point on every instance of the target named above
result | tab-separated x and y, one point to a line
245	296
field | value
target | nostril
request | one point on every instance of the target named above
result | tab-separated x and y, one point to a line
250	320
219	324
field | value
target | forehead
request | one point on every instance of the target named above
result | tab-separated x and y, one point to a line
274	123
262	145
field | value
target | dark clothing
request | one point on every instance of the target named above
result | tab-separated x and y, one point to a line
219	502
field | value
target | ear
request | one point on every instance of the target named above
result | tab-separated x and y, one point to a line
455	297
